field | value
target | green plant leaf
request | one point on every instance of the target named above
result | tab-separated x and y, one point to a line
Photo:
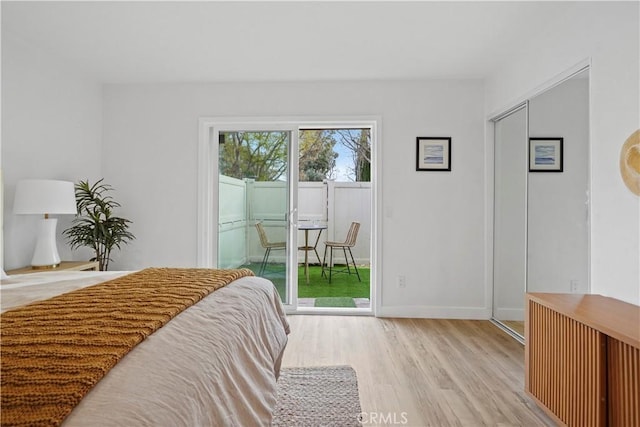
94	225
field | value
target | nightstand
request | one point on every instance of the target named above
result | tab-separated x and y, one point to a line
64	265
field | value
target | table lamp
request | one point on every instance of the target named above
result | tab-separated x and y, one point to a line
45	196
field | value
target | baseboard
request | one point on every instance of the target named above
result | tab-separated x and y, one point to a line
426	312
510	314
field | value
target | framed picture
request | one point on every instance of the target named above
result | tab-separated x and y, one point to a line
545	154
433	153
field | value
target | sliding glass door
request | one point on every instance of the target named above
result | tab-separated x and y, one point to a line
257	204
252	174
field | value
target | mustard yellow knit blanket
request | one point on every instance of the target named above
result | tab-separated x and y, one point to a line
54	351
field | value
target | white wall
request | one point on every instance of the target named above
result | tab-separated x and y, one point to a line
608	34
432	222
51	129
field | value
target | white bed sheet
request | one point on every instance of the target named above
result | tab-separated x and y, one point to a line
215	364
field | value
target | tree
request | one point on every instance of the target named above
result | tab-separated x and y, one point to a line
358	141
317	159
258	155
263	155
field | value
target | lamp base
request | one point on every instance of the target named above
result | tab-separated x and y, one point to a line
46	253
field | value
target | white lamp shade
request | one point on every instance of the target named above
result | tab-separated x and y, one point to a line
44	196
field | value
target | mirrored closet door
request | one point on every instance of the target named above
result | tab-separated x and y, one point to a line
558	197
541	199
510	218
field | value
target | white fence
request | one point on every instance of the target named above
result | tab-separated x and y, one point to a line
245	202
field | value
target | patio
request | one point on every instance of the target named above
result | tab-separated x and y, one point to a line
313	302
328	208
319	292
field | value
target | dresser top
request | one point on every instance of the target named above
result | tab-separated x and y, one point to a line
615	318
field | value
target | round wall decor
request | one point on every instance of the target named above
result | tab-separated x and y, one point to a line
630	162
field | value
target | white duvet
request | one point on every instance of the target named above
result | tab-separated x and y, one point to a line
215	364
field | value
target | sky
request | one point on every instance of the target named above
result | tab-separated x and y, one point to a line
344	164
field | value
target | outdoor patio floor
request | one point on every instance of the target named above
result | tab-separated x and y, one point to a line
310	302
342	285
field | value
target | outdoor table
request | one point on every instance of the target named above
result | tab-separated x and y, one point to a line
306	248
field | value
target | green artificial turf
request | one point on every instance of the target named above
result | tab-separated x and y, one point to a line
342	284
335	302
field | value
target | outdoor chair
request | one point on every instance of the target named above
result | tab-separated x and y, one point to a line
267	245
348	243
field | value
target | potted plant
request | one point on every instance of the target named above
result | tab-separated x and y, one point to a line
95	225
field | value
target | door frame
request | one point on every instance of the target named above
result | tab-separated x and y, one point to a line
207	204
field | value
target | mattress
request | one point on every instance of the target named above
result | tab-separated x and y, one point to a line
214	364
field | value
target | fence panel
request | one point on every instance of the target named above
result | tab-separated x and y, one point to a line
348	202
232	224
312	201
267	202
245	202
232	196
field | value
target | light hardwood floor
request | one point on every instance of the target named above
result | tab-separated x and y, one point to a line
426	372
517	326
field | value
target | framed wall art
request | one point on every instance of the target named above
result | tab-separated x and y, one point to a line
433	153
545	154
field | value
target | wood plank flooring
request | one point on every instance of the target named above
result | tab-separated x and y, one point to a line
516	325
422	372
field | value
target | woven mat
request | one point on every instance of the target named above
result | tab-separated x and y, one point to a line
318	396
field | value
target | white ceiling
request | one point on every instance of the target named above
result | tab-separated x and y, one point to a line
126	42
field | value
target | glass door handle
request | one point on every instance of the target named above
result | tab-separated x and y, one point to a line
293	220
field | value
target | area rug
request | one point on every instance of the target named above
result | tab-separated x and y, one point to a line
334	302
318	396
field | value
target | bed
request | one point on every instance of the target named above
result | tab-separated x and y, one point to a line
214	364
